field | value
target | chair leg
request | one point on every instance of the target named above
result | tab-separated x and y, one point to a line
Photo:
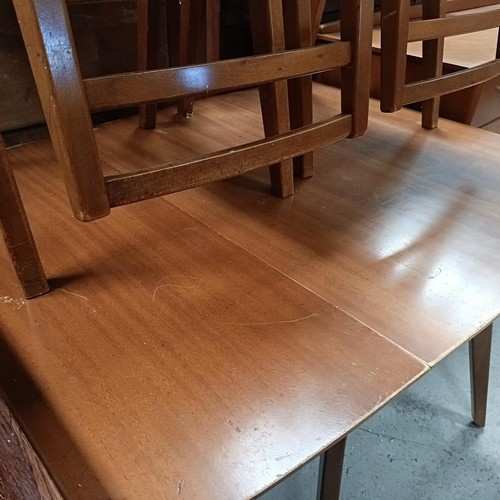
498	46
394	47
266	20
297	16
212	8
479	357
191	15
317	9
149	15
432	60
330	471
17	233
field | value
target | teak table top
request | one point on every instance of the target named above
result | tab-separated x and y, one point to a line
399	228
206	344
169	362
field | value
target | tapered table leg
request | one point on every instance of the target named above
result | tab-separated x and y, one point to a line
479	355
330	471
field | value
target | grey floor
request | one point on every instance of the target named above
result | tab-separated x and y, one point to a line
422	445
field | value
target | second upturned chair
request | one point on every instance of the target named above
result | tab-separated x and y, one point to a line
440	19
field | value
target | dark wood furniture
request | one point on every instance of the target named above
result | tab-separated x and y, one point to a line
476	105
68	100
22	475
440	19
209	343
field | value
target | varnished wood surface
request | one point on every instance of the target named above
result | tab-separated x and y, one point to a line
134	88
398	228
22	475
167	361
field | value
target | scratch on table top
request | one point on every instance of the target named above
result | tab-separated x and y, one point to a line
390	200
186	229
71	293
435	275
159	285
265	323
235	427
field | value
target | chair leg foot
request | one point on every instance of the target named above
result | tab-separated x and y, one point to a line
479	356
282	184
330	471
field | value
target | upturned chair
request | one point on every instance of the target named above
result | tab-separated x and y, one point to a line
68	101
440	19
17	233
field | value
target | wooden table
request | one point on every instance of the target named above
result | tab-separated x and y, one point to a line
168	361
398	228
207	344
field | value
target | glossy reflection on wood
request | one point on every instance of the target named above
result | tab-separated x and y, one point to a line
389	231
168	361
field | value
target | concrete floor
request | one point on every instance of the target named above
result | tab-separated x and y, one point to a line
422	445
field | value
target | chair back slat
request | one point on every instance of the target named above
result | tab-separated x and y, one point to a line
452	82
457	5
454	25
129	188
129	89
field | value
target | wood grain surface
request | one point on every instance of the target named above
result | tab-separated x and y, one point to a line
167	361
208	343
388	229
